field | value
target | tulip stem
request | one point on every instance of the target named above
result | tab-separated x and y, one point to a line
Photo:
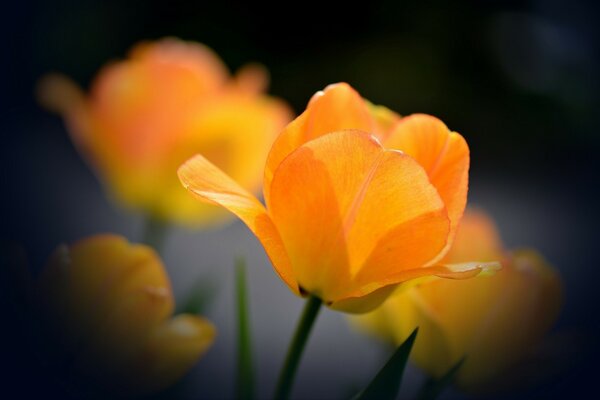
154	233
245	378
292	360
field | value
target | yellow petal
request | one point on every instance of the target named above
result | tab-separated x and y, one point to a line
363	304
531	264
60	94
195	59
87	283
107	302
252	78
137	103
374	323
476	239
443	154
142	105
337	108
446	271
169	352
432	350
385	119
210	184
167	101
493	320
469	269
528	297
105	269
234	132
326	201
110	346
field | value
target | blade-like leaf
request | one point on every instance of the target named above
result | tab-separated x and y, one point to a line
434	387
245	378
386	383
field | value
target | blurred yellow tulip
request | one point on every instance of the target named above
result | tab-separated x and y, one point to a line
347	215
491	320
169	100
107	307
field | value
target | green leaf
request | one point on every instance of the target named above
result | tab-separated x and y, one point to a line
386	383
434	387
245	378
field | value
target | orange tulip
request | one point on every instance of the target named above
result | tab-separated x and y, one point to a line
168	101
108	306
492	320
346	218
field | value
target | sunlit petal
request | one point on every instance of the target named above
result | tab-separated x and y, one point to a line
443	154
210	184
327	208
336	108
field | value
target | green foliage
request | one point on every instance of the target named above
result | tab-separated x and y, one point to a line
245	378
434	387
386	383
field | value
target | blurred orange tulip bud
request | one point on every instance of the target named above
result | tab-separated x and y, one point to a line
348	215
491	320
167	101
107	305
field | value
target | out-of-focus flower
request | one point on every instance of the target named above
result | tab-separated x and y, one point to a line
169	100
491	320
346	218
107	306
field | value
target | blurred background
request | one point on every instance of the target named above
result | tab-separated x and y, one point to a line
517	78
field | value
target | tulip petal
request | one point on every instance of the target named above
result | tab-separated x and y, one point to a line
170	351
443	154
252	78
88	282
476	239
385	119
408	311
178	59
336	108
327	202
363	304
448	271
210	184
115	339
469	269
531	265
110	269
474	317
524	294
311	193
60	94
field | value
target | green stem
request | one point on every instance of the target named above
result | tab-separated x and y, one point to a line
245	379
292	360
154	232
